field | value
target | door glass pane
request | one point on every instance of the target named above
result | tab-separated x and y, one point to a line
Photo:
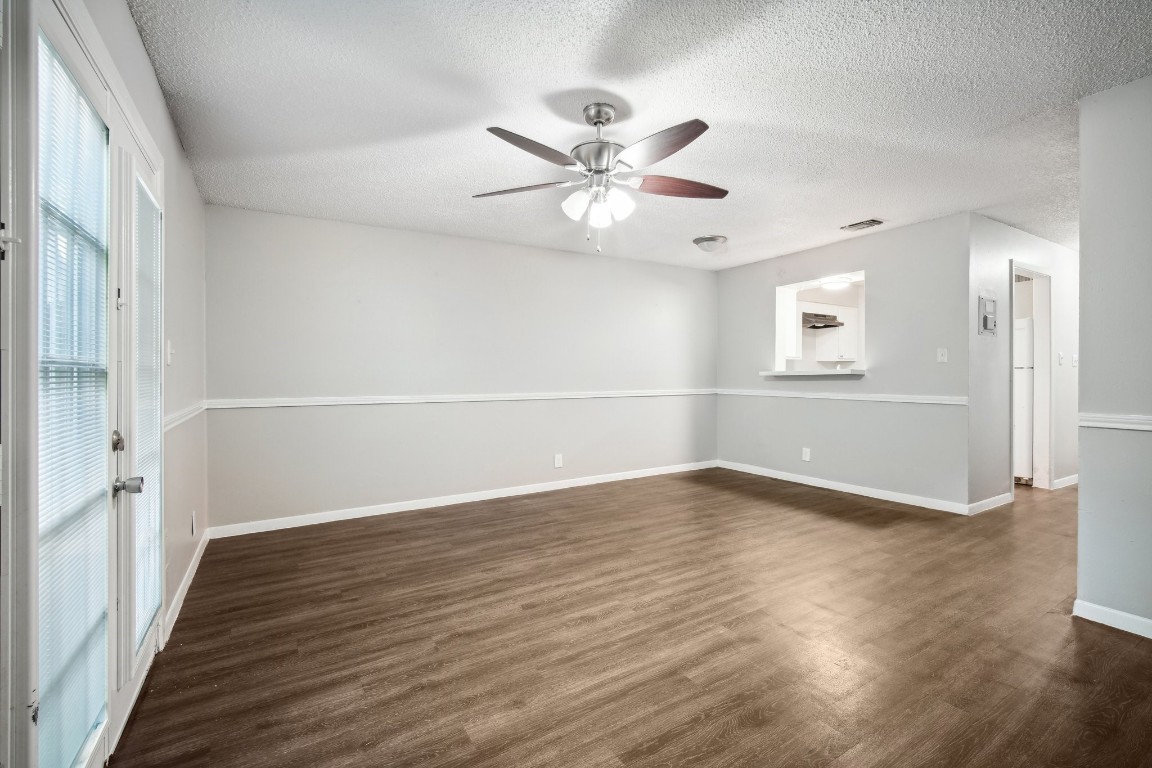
149	427
73	407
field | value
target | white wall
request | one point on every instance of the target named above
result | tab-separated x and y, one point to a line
185	446
303	308
1115	565
916	291
994	247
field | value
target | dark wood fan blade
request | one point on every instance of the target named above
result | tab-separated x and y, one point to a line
549	185
670	186
535	147
658	146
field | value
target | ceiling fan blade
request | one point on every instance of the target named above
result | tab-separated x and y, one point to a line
533	188
660	145
670	186
535	147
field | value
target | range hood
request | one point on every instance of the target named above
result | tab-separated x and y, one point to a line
814	320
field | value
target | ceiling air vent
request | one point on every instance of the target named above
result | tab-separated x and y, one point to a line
862	225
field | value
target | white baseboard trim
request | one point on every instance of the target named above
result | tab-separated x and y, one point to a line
276	524
1129	622
987	504
1064	482
173	611
954	507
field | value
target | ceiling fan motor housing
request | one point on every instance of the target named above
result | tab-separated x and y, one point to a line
597	154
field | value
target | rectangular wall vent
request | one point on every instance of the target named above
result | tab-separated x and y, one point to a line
862	225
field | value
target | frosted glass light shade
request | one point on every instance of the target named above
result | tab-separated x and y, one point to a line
837	283
575	204
600	215
620	204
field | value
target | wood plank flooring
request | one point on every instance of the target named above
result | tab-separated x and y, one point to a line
709	619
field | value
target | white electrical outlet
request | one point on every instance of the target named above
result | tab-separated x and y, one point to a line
1075	360
558	461
806	454
942	354
170	353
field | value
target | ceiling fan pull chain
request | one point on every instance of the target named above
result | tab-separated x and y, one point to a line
598	249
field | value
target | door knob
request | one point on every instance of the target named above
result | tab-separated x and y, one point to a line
131	485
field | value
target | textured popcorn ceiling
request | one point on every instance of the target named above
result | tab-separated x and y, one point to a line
821	113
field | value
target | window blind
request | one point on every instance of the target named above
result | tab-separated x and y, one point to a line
73	410
149	414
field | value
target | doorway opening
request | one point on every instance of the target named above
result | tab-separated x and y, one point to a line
1031	378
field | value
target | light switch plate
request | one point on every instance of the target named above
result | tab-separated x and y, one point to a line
942	355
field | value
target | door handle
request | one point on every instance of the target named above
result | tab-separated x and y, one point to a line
131	485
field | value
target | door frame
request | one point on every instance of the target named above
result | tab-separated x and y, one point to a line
19	386
1044	400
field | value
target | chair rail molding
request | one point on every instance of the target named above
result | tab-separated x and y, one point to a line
312	402
308	402
174	420
865	396
1135	422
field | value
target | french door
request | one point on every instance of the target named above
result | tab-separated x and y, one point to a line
99	545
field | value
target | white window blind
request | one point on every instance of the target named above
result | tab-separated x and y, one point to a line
149	414
73	408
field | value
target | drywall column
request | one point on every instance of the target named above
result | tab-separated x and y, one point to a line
1115	559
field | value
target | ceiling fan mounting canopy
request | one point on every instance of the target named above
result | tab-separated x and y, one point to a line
599	114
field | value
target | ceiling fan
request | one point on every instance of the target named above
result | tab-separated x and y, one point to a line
605	166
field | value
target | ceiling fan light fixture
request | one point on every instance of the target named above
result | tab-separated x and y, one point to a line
576	204
600	215
620	204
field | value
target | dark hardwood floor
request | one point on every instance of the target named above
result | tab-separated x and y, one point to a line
708	619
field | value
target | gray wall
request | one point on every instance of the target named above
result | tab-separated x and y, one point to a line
994	248
921	284
916	289
185	447
1115	565
304	308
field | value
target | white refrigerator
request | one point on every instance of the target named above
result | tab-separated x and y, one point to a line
1023	397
